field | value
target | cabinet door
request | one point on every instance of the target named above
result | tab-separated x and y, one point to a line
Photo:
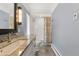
30	50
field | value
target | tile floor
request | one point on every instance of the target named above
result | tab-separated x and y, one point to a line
44	51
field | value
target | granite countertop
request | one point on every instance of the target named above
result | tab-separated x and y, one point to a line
16	47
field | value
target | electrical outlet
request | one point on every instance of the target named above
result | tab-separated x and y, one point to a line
75	16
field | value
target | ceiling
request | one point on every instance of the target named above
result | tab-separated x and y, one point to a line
40	9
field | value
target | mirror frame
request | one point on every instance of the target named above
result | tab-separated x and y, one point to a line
6	31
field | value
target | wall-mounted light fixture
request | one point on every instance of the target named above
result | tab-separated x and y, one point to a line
19	15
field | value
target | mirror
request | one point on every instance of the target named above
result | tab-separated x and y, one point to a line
6	16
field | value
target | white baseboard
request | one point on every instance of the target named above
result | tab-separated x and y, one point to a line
55	50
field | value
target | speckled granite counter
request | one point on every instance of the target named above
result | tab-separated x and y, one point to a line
15	48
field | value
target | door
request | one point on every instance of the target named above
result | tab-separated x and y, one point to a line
47	30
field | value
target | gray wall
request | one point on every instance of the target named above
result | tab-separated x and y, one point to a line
65	35
32	27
